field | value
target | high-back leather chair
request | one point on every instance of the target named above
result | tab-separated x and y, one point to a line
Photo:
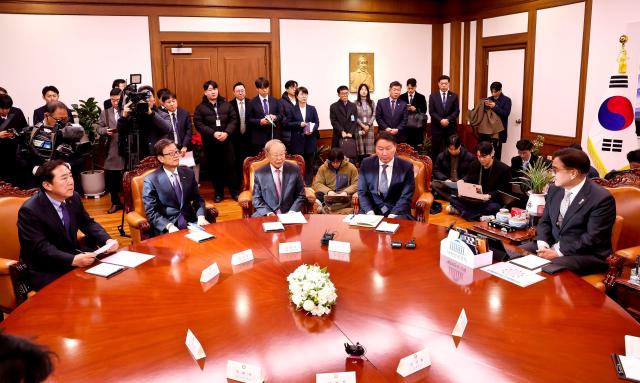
422	170
132	184
11	199
249	166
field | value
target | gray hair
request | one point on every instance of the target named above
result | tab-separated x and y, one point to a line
271	143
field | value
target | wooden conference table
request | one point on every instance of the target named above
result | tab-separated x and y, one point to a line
132	327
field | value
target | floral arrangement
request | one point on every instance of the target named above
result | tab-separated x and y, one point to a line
538	143
311	290
196	146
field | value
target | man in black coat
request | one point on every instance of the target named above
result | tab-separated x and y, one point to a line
48	225
444	109
12	121
343	115
501	105
241	138
264	116
451	165
287	102
416	103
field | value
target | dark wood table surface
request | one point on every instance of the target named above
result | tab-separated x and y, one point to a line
132	327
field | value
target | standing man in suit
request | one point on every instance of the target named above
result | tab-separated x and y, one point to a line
264	116
575	228
287	103
524	159
241	137
386	183
11	120
278	186
170	194
444	109
416	103
113	163
48	225
303	123
179	121
501	105
49	94
343	115
391	113
216	121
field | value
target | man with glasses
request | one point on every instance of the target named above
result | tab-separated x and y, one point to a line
575	229
278	186
170	194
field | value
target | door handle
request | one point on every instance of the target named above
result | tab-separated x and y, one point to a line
518	121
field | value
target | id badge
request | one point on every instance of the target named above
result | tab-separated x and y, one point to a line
353	118
218	123
364	119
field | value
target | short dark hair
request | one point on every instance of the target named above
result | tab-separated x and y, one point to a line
301	89
385	136
49	88
485	148
496	85
444	77
575	146
44	173
5	101
146	88
290	83
262	83
116	83
412	81
335	154
52	106
161	92
395	83
209	83
454	140
168	95
573	158
159	146
3	90
524	145
237	84
632	156
115	92
341	88
24	361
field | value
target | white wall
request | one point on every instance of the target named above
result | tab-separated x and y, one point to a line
214	24
77	54
505	25
315	53
446	51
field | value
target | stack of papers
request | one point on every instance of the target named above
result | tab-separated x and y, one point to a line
531	262
105	270
199	236
292	217
366	220
628	367
127	258
514	274
387	227
272	226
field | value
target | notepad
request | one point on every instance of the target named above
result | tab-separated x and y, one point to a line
272	226
199	236
366	220
128	258
514	274
531	262
387	227
105	270
291	218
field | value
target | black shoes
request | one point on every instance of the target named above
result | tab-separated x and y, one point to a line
218	199
113	209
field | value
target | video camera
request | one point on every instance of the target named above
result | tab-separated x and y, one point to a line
58	141
139	100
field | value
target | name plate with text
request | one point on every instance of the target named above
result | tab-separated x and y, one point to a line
241	257
290	247
336	377
194	346
244	372
414	362
340	247
209	273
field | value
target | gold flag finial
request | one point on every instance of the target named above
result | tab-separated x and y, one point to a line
622	57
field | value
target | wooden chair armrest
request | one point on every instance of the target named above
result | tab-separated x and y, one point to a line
423	206
616	263
311	200
210	213
356	203
136	221
629	254
246	203
4	265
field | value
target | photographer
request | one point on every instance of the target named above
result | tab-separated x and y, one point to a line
12	121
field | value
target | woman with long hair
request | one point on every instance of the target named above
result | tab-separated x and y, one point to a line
366	116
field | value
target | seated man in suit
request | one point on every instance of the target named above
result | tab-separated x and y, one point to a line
575	228
633	157
391	113
386	183
179	121
278	186
170	194
451	165
493	175
48	225
11	121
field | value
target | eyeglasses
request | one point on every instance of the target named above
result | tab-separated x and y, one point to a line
175	153
554	170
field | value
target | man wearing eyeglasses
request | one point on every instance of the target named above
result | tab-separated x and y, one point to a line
170	194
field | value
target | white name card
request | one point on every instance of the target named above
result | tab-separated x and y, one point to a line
194	346
336	377
460	325
340	247
241	257
290	247
243	372
209	273
414	362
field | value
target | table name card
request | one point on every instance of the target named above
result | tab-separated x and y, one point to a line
209	273
458	330
272	226
290	247
194	346
336	377
242	257
243	372
413	363
340	247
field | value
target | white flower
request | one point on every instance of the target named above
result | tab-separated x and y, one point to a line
309	305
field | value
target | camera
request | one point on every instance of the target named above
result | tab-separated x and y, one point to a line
139	100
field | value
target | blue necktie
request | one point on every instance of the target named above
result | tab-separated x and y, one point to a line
265	106
182	223
66	219
384	181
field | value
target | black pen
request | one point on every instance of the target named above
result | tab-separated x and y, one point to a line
117	272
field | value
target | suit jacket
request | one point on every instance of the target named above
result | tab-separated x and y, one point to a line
419	101
234	104
450	111
516	165
161	204
107	120
184	128
265	199
401	189
38	114
586	227
387	118
286	107
442	166
343	120
260	134
9	146
499	178
45	246
502	109
301	143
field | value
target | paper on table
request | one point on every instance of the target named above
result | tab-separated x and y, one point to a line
366	220
104	248
387	227
530	262
631	367
514	274
128	258
632	346
292	217
461	325
272	226
187	160
104	269
199	235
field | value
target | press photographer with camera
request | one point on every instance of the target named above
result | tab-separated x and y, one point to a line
12	120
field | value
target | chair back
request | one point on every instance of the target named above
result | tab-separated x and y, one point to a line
422	169
132	184
627	206
251	164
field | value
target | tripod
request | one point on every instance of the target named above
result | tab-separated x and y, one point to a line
132	159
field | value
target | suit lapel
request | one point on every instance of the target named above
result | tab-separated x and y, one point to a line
52	215
576	204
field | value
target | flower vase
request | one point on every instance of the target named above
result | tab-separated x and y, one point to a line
535	204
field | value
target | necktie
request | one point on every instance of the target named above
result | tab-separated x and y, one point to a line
116	114
243	125
444	98
525	164
393	107
181	223
174	124
278	184
265	106
66	219
410	99
384	181
564	205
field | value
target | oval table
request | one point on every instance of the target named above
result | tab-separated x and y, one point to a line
132	327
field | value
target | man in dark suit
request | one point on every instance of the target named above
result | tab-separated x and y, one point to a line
49	94
452	165
575	228
416	103
501	105
443	109
386	183
524	159
493	175
264	115
170	194
278	186
343	115
287	102
240	138
179	121
48	225
391	113
11	121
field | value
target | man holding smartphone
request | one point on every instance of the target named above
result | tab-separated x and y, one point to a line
113	163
